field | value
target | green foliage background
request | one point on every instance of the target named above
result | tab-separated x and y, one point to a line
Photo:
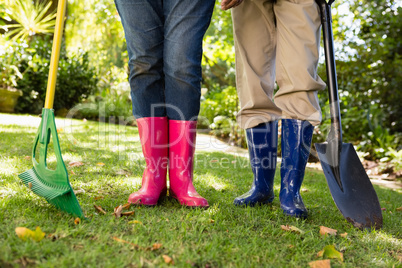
368	44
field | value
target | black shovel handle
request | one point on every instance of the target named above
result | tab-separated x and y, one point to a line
335	134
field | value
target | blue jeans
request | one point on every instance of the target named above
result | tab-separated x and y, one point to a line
164	44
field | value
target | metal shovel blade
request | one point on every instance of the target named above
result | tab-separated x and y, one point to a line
355	198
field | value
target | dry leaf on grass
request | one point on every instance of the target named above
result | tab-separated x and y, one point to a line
75	164
79	191
128	213
26	262
99	209
344	235
99	197
291	228
30	185
126	205
117	211
27	157
135	246
325	230
77	221
25	233
156	246
320	264
399	209
135	222
167	259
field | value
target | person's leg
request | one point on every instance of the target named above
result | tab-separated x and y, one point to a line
185	26
296	141
182	136
298	32
143	23
153	132
298	26
262	143
255	46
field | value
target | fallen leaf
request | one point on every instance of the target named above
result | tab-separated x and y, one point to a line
53	237
325	230
128	213
399	209
117	211
214	161
320	264
291	229
99	197
75	164
399	257
383	209
156	246
25	233
330	252
122	172
99	209
135	246
30	185
79	191
38	235
167	259
27	157
344	235
72	172
127	206
77	221
25	262
135	222
100	164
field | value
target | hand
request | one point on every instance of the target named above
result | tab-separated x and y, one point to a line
228	4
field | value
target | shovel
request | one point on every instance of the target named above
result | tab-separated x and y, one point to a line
53	185
347	180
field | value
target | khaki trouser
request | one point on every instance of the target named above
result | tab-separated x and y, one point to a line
277	41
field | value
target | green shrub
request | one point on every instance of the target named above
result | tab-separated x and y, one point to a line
75	78
113	105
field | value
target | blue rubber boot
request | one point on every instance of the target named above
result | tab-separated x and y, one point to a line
262	147
295	143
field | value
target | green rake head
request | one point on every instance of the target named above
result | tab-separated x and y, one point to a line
53	185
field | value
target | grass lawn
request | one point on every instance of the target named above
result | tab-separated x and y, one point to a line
221	236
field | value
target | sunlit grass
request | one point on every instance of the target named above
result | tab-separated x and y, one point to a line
221	236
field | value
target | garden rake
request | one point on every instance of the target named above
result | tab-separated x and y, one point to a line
53	185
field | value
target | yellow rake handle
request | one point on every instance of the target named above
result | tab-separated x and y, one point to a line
54	61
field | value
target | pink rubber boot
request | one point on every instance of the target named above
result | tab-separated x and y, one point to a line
154	137
181	154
